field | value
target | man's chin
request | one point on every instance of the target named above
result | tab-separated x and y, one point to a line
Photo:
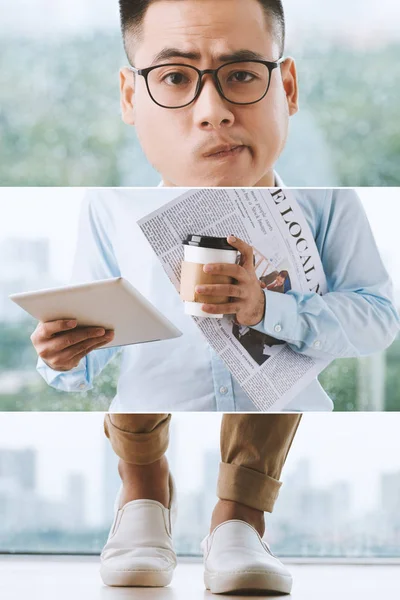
227	179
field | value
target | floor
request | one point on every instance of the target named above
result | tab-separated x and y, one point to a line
37	578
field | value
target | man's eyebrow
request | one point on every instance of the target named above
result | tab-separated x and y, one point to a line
241	55
168	53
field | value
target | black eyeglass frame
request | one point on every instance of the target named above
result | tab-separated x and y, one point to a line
271	65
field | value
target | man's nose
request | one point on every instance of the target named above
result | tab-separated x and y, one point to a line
211	111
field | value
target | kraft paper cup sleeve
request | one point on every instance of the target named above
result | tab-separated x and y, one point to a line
192	274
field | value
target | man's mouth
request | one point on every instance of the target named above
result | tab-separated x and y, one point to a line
225	151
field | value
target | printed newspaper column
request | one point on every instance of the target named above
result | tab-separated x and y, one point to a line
268	369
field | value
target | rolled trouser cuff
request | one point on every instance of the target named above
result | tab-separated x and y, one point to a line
138	448
246	486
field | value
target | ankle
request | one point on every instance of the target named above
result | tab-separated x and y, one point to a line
227	510
145	482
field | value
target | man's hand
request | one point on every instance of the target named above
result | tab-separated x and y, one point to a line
61	344
248	299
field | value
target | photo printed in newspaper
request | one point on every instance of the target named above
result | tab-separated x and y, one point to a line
286	258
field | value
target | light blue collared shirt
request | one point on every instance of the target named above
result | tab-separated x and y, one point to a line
356	318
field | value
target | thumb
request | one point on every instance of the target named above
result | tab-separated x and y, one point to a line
245	250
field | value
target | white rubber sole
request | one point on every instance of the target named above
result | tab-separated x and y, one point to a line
223	583
135	578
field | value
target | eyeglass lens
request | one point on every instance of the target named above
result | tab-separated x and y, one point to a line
176	85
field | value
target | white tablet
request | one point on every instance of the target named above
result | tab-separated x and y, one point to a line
109	303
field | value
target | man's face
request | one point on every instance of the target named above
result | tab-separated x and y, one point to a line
182	144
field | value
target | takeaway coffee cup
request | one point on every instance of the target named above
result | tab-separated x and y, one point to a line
199	251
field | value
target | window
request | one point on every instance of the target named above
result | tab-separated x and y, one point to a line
58	483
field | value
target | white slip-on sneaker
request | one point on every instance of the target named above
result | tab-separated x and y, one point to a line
236	559
139	550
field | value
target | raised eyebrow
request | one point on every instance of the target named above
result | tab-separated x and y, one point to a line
168	53
241	55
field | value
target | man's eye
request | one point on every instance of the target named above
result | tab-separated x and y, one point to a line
175	79
242	77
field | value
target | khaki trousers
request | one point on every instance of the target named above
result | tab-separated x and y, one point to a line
254	448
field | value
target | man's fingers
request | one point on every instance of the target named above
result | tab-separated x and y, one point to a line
78	357
221	309
47	349
220	289
67	360
235	271
72	338
245	250
47	330
89	345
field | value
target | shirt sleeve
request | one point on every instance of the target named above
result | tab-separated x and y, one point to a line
94	260
357	317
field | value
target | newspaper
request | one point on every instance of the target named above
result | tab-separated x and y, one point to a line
271	221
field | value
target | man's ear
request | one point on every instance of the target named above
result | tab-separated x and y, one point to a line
290	84
127	95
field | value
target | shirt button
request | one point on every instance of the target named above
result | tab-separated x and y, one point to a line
278	328
223	390
317	344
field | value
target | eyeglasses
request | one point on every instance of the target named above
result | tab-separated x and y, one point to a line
177	85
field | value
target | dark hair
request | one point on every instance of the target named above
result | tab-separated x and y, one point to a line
132	13
284	274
